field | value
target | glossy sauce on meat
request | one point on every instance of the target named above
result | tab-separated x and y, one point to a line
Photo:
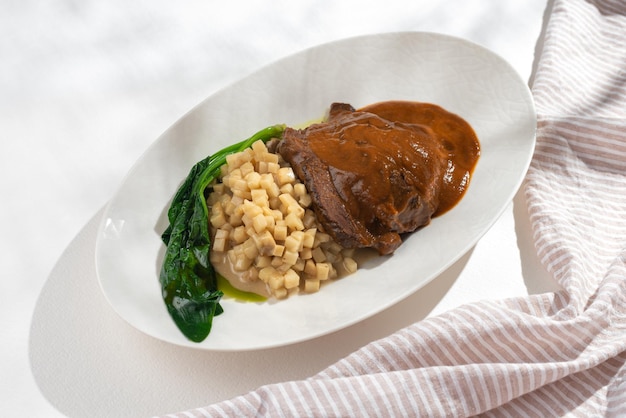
457	137
383	170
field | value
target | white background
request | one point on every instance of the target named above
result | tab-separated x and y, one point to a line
87	86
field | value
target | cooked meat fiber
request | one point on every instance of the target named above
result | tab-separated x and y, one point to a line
370	179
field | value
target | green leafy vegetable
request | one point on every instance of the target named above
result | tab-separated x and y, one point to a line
188	280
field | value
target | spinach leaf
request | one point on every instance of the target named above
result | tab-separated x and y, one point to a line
188	280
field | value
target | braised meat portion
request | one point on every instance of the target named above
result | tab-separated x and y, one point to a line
370	179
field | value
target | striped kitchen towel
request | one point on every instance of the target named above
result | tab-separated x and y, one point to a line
555	354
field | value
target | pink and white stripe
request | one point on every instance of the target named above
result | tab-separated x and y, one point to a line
557	354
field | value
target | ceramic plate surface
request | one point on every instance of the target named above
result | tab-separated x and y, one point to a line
460	76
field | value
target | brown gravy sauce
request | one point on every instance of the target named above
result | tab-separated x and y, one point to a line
455	134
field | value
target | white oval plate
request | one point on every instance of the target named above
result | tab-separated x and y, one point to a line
456	74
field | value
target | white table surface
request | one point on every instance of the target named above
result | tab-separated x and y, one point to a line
85	88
